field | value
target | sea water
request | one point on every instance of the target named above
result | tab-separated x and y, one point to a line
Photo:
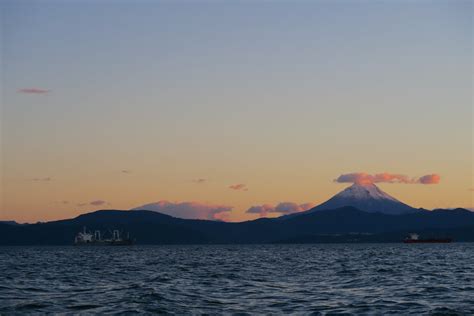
300	279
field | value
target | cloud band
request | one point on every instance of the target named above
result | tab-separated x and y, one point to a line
363	178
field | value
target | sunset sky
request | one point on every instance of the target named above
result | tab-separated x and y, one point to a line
220	107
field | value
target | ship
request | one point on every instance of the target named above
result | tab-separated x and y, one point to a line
415	239
86	238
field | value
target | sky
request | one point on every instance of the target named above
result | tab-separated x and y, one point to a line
213	108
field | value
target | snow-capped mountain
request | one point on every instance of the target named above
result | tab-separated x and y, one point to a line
366	197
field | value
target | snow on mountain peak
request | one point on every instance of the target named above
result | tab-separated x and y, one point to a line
365	191
365	196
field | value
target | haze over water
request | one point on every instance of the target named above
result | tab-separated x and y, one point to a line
343	278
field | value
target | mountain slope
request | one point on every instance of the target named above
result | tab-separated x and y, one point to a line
365	197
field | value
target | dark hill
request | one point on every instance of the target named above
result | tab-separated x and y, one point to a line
338	225
350	219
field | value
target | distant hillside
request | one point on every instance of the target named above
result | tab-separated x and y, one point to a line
9	222
338	225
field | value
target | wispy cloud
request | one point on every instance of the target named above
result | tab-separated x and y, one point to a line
363	177
190	210
64	202
93	203
199	180
47	179
98	202
33	91
239	187
281	208
126	171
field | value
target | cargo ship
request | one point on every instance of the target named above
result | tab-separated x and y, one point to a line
415	239
86	238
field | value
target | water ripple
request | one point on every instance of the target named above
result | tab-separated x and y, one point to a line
299	279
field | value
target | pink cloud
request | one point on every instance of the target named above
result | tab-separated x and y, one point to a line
281	208
430	179
240	186
33	91
262	210
190	210
222	216
364	178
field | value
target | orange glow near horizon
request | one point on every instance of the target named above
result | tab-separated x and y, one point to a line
152	102
72	202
